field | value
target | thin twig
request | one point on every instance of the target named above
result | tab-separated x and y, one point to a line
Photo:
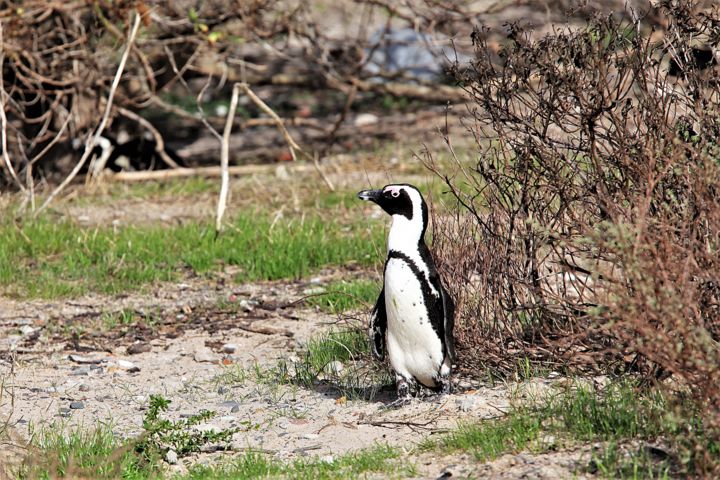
159	142
224	159
90	144
281	126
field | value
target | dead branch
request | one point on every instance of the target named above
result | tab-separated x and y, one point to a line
224	154
92	141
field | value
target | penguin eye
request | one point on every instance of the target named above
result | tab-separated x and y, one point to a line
395	193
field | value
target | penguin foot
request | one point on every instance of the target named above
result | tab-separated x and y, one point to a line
445	386
403	388
398	403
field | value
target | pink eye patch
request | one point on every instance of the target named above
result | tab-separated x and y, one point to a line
394	191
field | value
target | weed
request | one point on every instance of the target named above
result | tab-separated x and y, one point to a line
161	435
121	318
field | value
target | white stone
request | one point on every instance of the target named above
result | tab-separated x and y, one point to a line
365	119
171	457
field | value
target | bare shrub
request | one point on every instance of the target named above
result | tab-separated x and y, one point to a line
591	220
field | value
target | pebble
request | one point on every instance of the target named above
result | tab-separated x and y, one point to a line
26	330
80	371
206	357
313	291
84	387
171	457
128	366
282	173
229	348
230	404
222	390
136	348
335	367
365	119
64	412
246	306
310	436
468	403
77	405
85	360
235	409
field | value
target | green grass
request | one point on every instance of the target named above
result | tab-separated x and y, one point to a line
379	459
48	259
99	454
343	296
83	453
583	414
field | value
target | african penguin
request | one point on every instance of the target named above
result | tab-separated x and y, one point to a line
412	322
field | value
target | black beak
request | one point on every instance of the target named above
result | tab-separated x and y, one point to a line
372	195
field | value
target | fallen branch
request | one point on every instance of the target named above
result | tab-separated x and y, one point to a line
92	141
236	170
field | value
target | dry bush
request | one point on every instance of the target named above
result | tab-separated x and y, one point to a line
591	223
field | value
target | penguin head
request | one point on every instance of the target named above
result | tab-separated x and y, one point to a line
399	199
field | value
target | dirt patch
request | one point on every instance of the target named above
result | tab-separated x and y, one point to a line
195	355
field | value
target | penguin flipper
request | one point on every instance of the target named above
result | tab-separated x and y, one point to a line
449	321
378	326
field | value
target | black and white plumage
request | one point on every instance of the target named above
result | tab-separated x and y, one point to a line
412	322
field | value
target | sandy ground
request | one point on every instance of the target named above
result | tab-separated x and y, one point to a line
52	376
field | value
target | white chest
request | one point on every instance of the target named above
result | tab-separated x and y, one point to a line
414	348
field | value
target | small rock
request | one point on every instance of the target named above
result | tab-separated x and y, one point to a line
84	387
327	459
282	173
313	291
85	360
229	404
83	219
246	306
204	356
128	366
171	457
235	409
136	348
222	390
229	348
77	405
80	371
26	330
310	436
64	412
468	403
365	119
334	367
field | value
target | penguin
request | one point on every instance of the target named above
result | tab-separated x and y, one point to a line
413	319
